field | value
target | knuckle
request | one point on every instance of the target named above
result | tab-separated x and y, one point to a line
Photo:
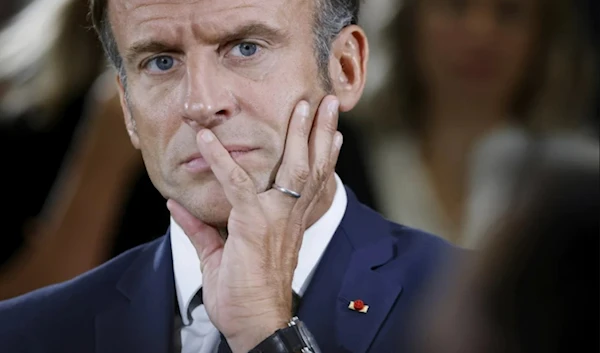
322	170
330	125
237	176
301	172
322	166
320	176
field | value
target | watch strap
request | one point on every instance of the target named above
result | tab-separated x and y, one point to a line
286	340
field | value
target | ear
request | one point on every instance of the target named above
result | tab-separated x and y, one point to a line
348	66
129	121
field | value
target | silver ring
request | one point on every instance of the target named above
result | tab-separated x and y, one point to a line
286	191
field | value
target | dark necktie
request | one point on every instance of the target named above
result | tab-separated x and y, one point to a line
224	347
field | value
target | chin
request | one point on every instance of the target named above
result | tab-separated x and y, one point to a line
209	204
206	200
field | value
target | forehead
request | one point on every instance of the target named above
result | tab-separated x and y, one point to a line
485	2
135	16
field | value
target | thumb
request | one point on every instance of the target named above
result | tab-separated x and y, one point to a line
206	239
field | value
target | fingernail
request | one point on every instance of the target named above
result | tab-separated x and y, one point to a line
333	106
339	140
303	109
206	136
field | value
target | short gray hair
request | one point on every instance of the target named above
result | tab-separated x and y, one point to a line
331	16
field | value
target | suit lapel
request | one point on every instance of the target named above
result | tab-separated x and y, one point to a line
141	320
374	247
356	330
360	248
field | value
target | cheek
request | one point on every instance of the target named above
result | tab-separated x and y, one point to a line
156	109
156	123
273	99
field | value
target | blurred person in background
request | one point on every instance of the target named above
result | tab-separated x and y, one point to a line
593	9
75	190
472	81
534	285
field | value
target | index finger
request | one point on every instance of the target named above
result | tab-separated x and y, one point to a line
206	239
237	184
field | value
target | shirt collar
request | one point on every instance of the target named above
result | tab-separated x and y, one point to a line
186	265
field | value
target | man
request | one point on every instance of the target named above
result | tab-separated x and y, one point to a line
208	88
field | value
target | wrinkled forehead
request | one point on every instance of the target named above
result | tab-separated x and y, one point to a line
129	18
125	5
139	10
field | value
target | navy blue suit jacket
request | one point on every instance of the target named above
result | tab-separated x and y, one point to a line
128	304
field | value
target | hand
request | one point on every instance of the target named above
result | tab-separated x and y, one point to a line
247	280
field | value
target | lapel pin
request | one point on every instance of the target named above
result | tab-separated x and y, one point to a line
358	305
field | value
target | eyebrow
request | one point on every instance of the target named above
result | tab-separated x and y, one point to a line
145	46
257	29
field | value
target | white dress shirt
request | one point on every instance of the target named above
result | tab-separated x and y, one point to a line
199	335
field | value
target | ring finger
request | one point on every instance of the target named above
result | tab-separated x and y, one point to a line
294	169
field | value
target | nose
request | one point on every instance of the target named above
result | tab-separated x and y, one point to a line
207	100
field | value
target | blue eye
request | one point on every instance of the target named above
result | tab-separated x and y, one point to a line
161	63
245	49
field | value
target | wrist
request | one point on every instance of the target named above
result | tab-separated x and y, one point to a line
294	338
257	331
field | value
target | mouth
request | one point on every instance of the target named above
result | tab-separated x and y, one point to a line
197	164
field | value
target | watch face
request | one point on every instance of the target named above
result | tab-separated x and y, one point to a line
308	338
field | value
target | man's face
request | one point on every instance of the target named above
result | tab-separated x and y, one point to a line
237	67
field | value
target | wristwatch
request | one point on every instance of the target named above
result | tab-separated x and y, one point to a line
293	339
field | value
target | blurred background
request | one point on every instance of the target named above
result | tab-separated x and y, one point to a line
470	107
